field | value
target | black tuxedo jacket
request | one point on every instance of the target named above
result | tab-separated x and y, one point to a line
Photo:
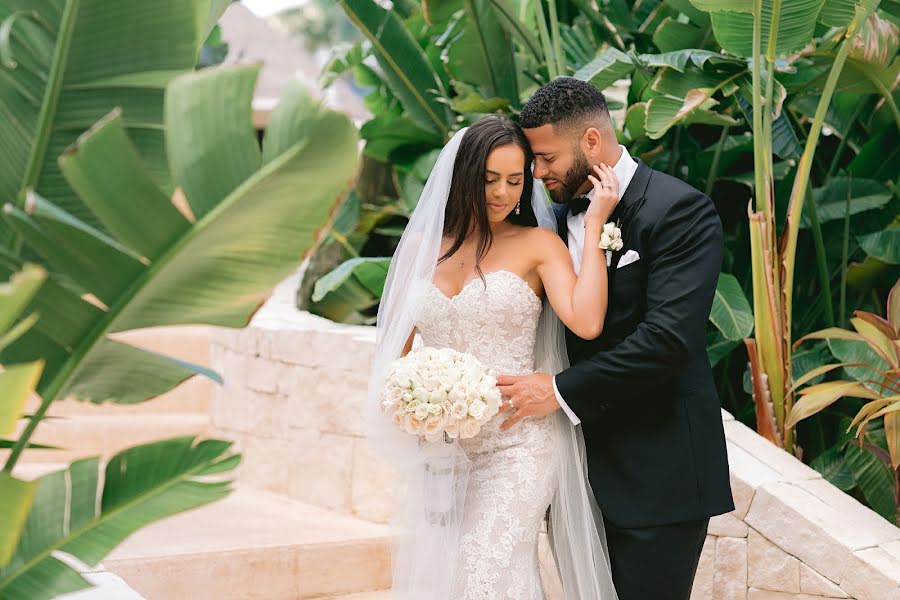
644	389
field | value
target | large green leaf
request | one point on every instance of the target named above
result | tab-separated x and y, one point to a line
16	498
404	65
839	13
480	49
664	112
883	245
77	513
831	199
217	270
608	67
731	312
833	466
674	35
717	347
353	287
874	478
72	61
734	30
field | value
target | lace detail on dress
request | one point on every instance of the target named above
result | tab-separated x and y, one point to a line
513	475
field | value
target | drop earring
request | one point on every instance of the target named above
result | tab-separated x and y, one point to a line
518	207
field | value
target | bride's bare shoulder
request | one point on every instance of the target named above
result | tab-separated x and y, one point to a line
540	243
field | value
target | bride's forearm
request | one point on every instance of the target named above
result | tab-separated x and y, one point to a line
589	297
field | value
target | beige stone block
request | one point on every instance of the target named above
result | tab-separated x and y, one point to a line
324	402
892	548
262	375
803	526
706	571
233	369
871	574
266	464
372	486
770	567
320	467
727	525
730	580
747	474
788	467
757	594
293	347
232	409
872	528
814	584
268	415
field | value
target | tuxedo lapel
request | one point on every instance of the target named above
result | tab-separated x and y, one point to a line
627	209
562	221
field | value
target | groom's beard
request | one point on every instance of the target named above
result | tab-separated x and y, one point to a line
575	177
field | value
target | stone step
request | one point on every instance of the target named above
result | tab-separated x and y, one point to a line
255	545
80	436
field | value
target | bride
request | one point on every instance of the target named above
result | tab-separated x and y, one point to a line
480	269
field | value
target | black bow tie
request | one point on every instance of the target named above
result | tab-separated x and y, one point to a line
579	204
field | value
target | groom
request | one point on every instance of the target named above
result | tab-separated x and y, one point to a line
643	391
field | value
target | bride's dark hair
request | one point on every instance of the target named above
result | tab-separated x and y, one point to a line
466	210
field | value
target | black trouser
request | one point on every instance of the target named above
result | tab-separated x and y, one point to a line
655	563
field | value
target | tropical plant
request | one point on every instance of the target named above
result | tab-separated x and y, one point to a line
876	378
763	33
228	223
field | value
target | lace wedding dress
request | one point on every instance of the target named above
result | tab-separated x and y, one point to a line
513	474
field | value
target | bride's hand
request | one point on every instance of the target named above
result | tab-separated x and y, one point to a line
606	195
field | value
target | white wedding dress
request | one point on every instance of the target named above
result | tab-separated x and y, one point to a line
513	473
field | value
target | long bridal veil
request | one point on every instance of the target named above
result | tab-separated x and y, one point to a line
430	497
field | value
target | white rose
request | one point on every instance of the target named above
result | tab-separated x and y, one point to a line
437	397
434	424
609	229
460	392
452	429
469	429
459	410
476	409
421	394
411	406
397	418
406	397
401	380
421	411
412	425
435	409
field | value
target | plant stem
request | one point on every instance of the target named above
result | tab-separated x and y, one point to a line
759	159
717	157
549	59
557	43
673	156
836	161
821	259
845	257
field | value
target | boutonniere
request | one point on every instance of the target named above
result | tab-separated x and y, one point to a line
611	237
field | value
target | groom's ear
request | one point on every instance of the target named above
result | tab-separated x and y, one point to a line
592	144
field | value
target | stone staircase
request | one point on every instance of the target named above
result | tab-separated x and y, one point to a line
254	544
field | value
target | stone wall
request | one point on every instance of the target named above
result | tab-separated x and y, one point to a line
294	388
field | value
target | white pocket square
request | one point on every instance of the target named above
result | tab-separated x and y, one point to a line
628	258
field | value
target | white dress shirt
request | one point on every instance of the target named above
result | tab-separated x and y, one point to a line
624	170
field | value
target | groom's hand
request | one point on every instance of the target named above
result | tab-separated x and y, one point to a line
528	396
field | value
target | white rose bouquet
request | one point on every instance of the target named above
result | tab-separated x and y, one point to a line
440	394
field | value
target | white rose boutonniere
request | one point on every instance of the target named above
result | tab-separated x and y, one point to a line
611	237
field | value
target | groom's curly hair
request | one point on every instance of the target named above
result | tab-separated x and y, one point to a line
566	103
